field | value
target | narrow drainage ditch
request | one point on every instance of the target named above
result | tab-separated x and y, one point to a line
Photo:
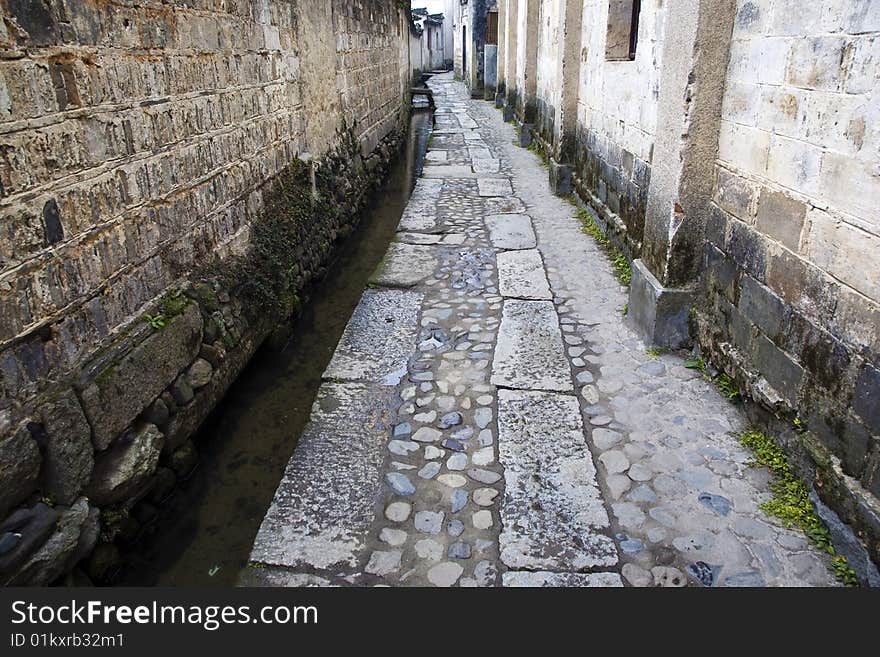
204	532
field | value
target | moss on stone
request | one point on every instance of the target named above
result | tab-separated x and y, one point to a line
621	266
791	500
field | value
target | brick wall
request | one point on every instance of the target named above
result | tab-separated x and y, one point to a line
753	207
793	247
130	140
139	141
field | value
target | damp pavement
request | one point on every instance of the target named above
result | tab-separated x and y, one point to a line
490	419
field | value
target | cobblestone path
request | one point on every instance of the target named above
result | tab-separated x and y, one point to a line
488	419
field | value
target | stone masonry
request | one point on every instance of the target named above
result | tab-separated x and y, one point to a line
729	149
488	419
139	142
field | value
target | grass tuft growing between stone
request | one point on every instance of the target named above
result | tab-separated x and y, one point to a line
791	500
622	268
537	150
722	382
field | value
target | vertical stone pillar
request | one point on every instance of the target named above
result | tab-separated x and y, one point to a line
502	46
527	69
510	65
565	121
694	62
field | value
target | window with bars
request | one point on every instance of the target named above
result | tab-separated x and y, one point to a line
623	29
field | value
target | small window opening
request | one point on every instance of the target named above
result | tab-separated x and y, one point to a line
492	29
623	29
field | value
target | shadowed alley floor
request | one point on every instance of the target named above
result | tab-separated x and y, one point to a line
489	418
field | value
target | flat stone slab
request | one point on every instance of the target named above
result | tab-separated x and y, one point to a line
404	265
529	353
552	514
379	338
494	187
443	239
521	275
511	231
500	205
448	171
420	212
274	577
325	504
565	580
486	165
435	156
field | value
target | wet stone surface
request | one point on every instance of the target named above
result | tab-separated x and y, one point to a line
527	438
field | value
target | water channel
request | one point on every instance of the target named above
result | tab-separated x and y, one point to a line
204	533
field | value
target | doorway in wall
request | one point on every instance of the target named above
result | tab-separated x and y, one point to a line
464	52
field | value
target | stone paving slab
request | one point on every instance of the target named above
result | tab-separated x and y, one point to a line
494	187
552	514
521	275
448	171
445	239
417	215
529	353
404	265
478	151
484	165
379	338
567	580
511	231
273	576
326	501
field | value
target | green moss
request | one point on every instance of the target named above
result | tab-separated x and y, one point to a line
267	276
697	364
621	266
173	304
535	148
625	310
655	352
791	500
722	382
726	386
206	296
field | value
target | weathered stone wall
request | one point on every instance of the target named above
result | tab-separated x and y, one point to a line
548	85
521	94
617	118
470	40
140	141
793	245
755	215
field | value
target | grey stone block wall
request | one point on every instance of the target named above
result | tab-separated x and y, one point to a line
778	108
616	182
772	320
137	142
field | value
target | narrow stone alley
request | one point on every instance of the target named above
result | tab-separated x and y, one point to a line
489	418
